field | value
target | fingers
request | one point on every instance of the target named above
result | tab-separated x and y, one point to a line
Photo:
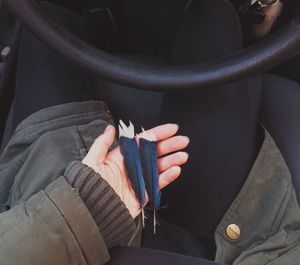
163	131
168	176
176	159
101	145
172	145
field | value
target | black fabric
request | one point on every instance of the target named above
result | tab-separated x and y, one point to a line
134	256
175	239
222	122
45	79
280	110
148	26
209	31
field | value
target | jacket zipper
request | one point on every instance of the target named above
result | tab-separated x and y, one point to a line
133	236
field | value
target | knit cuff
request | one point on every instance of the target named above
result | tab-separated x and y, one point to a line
106	207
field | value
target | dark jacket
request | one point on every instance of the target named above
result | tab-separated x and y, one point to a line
61	211
55	217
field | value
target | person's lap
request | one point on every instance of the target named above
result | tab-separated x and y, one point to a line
46	79
141	256
221	122
280	114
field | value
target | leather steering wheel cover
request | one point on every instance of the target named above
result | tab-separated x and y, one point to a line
260	57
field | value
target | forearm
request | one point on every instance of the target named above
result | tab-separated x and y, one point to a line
52	227
66	224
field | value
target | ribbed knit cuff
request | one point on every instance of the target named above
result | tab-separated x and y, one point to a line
109	212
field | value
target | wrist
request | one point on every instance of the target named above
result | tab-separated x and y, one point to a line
109	212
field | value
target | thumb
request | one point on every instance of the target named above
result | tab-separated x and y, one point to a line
101	145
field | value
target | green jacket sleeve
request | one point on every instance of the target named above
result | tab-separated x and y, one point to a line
53	227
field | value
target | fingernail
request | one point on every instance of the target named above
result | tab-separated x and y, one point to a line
187	139
108	128
174	124
186	155
176	169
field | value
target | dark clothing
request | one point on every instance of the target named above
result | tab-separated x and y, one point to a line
143	256
232	109
224	136
50	223
280	110
43	219
222	122
51	228
105	206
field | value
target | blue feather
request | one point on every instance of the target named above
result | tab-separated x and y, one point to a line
148	152
132	162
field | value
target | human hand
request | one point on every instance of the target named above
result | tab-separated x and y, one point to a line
110	165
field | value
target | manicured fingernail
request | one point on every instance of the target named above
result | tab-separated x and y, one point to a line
108	128
187	139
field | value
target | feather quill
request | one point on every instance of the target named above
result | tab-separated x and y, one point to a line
148	152
132	162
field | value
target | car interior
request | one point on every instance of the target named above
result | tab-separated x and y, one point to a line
131	40
130	65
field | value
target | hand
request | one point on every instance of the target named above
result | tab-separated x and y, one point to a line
110	165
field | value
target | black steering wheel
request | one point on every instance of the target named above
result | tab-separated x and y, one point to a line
260	57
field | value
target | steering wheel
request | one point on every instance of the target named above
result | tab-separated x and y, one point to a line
260	57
